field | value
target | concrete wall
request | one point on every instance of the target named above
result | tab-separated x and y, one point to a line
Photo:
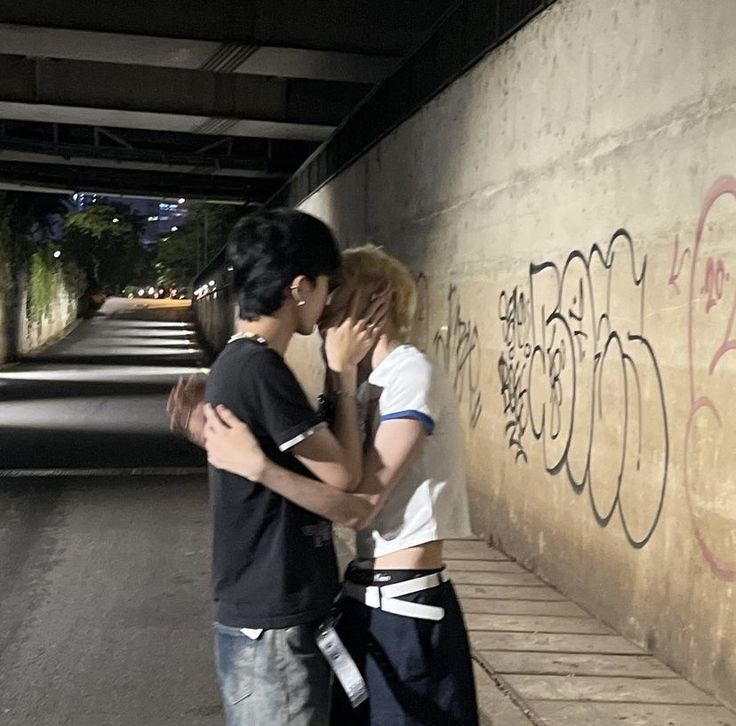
215	316
569	209
5	310
23	330
61	313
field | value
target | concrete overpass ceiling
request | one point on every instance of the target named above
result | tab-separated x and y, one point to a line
89	155
464	34
27	40
277	70
112	181
113	118
378	27
124	87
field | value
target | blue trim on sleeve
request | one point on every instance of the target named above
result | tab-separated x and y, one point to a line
416	415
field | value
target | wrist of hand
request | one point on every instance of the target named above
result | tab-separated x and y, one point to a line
265	472
348	381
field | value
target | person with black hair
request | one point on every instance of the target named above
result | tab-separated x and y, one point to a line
400	619
274	571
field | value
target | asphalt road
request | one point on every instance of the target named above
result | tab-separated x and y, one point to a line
97	398
105	617
104	603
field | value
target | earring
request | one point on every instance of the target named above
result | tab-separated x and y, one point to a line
298	302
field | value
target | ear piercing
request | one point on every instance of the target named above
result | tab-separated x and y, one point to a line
298	302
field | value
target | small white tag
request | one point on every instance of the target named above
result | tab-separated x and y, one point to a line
343	666
252	633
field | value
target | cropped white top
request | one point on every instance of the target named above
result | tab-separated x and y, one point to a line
430	502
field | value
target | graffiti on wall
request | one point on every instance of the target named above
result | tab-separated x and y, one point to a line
579	377
514	313
457	347
420	334
708	444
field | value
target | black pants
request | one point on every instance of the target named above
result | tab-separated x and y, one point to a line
418	672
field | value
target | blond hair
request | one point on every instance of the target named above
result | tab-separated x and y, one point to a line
369	264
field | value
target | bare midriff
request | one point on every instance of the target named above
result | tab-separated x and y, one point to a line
426	556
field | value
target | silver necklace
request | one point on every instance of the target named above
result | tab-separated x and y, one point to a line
248	335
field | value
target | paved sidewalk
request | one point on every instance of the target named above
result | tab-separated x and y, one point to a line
541	659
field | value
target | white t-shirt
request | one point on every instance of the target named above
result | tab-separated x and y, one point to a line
430	502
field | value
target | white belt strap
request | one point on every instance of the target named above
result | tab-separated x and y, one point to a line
384	597
343	666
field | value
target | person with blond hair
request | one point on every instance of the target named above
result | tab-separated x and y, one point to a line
399	616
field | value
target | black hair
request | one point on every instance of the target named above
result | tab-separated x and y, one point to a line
269	248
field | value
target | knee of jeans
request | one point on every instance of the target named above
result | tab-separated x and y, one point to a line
236	656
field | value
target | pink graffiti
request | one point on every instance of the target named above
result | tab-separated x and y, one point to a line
677	268
712	282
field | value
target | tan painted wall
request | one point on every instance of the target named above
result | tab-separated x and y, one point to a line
569	207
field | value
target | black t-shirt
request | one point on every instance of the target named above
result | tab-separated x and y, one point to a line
273	563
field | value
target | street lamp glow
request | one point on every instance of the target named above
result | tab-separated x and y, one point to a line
57	254
182	200
173	229
115	220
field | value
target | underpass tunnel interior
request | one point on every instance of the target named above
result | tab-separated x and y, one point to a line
129	145
96	399
560	178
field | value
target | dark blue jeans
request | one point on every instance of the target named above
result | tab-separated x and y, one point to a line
418	672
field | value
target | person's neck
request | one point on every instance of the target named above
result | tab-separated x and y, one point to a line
273	328
386	344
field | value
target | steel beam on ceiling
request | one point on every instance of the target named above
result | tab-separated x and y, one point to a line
134	182
126	87
378	27
123	155
258	169
151	144
32	41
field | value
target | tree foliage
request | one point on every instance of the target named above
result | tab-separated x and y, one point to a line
28	229
26	221
104	240
181	254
